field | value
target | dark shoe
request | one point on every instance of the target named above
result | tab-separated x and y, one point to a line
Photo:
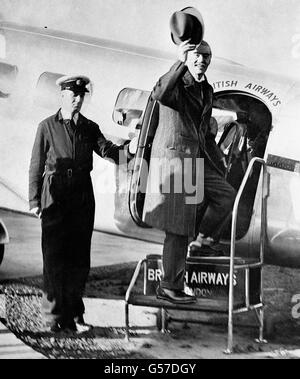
51	328
55	328
60	326
174	296
68	327
214	250
81	325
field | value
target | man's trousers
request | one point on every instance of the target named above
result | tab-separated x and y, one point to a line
66	244
212	215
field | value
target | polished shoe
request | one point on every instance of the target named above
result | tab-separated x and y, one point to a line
53	327
68	326
81	325
60	327
195	245
174	296
214	250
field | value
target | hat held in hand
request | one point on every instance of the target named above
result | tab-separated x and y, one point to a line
187	24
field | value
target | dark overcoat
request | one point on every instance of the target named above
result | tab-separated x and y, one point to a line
182	137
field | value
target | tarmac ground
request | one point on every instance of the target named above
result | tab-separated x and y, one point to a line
181	341
105	308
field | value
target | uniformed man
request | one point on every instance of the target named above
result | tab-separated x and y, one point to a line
61	194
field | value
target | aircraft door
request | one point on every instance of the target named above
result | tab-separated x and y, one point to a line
241	134
244	123
140	172
133	110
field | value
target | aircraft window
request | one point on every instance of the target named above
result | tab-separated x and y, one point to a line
130	106
48	93
8	74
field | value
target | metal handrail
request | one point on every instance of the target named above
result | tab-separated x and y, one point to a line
233	240
133	279
128	293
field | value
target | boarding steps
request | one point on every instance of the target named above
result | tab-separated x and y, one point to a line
228	285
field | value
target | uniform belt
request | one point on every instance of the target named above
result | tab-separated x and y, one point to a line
68	172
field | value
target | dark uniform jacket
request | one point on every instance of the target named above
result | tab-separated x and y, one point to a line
62	156
182	135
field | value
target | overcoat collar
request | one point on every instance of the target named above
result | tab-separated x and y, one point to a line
189	81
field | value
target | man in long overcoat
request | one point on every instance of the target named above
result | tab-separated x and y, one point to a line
61	194
182	138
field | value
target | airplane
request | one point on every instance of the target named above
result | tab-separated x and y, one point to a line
32	58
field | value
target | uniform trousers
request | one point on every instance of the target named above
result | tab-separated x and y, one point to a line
66	243
212	215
